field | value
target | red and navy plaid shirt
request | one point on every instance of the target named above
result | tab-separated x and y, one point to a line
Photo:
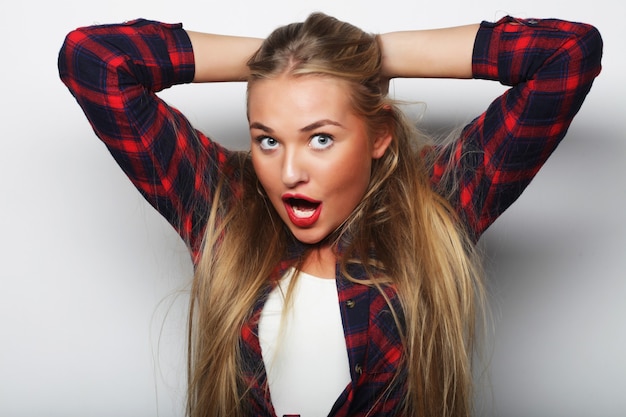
115	71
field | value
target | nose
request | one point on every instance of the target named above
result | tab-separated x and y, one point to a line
293	170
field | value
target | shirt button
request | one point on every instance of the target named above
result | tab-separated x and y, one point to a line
358	369
350	303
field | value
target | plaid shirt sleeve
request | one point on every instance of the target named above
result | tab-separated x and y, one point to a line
114	72
550	65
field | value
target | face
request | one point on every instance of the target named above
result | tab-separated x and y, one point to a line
311	153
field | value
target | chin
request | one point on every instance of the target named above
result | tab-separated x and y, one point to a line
308	237
308	240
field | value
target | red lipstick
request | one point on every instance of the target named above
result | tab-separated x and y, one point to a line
302	210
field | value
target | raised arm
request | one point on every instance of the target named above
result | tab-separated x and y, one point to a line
550	65
115	71
436	53
233	53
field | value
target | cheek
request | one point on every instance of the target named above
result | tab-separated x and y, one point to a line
268	176
258	169
352	177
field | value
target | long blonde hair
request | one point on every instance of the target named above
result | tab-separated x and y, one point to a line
406	235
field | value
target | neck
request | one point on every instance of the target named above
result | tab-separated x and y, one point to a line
320	262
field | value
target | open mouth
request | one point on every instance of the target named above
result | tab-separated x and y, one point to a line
302	211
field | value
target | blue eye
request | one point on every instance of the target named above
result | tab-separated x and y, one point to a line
267	143
321	141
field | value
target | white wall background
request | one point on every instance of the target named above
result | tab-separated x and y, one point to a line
92	303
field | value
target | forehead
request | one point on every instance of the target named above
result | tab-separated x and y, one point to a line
298	98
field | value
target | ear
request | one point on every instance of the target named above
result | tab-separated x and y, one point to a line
380	145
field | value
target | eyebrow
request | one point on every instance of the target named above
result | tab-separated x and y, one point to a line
320	123
307	128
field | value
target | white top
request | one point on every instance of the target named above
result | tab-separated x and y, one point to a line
306	358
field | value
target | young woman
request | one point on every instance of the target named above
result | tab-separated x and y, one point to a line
334	265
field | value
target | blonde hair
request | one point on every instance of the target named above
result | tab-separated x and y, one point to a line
406	235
